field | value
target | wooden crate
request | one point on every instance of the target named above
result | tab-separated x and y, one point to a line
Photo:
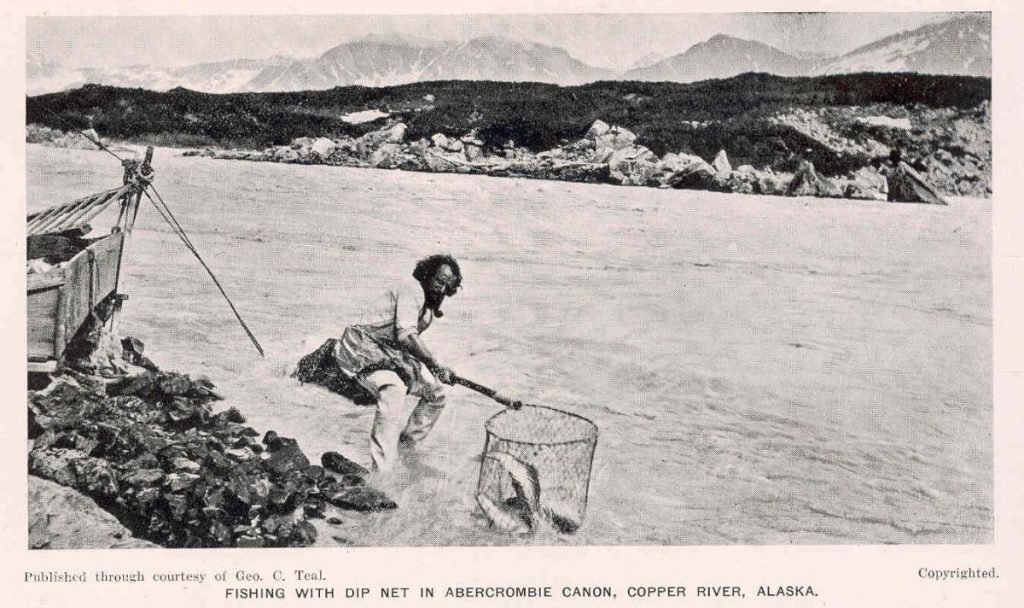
60	301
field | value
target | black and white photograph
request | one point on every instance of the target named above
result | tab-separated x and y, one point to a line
517	279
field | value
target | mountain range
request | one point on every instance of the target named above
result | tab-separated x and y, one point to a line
960	46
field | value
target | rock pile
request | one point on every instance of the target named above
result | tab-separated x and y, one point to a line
149	448
61	518
38	134
605	154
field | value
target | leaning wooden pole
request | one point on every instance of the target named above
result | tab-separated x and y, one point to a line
139	174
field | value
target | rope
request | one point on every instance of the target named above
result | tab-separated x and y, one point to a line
172	221
176	227
98	143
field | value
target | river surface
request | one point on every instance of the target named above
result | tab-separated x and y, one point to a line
762	370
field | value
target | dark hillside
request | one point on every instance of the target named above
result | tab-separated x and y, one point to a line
537	116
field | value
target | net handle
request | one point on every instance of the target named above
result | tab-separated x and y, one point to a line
489	392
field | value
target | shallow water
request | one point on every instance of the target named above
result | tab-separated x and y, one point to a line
762	370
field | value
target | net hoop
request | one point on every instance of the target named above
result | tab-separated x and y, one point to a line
587	428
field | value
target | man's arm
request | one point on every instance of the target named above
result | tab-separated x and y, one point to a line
414	344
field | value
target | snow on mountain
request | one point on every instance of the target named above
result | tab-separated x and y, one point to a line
216	77
961	46
383	61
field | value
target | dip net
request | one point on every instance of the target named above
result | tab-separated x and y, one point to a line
558	445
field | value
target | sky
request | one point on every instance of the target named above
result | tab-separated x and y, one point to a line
605	40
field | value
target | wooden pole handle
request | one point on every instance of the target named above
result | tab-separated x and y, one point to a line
489	392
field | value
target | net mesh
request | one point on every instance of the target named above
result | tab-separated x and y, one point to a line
559	445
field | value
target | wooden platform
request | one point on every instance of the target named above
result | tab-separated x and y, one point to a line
60	301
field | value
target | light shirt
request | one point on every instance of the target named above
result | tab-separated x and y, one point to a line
376	344
400	311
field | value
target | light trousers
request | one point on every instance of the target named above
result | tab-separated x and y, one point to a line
393	423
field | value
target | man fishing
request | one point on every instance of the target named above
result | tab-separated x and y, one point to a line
387	356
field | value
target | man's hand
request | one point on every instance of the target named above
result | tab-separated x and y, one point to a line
443	374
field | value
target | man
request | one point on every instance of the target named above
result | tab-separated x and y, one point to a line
388	356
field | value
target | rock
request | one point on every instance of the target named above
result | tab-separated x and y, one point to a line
807	182
335	521
241	454
156	385
286	460
247	541
372	141
552	154
721	164
602	155
72	468
274	441
237	155
387	156
454	145
314	509
35	134
907	186
303	534
283	497
673	163
184	477
333	461
36	424
439	140
866	183
177	482
233	415
352	479
138	359
633	166
444	163
248	442
578	172
323	147
143	478
284	154
741	182
598	129
130	344
361	498
770	183
174	385
471	139
394	134
695	176
615	138
419	147
220	533
61	518
314	473
184	466
472	152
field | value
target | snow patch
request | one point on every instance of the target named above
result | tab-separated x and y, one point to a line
886	121
355	118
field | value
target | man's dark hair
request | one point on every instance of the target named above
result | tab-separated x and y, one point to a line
426	268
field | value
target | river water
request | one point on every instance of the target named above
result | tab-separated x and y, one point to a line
762	370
